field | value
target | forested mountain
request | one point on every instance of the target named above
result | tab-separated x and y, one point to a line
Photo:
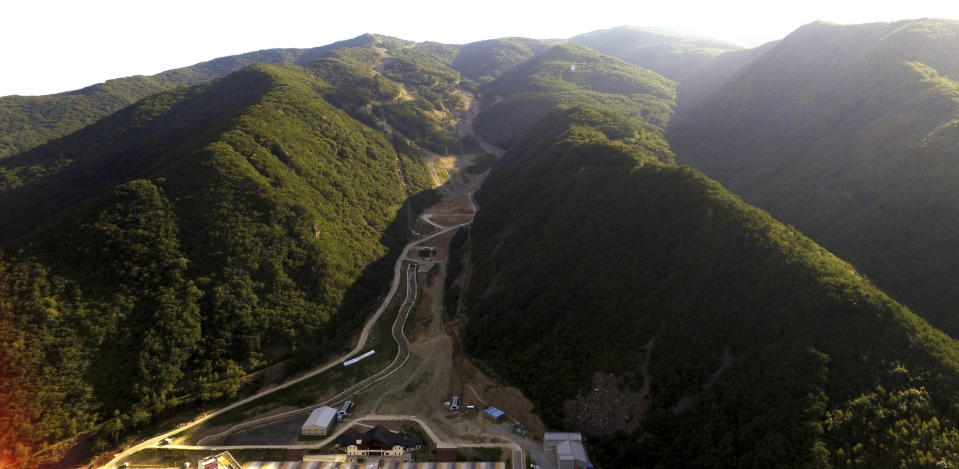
646	305
850	133
368	83
569	74
674	57
483	61
28	121
160	241
708	78
181	242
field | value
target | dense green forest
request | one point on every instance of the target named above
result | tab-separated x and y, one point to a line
178	244
850	134
737	341
568	74
674	57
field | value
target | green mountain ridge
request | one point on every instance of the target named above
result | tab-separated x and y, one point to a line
849	133
484	61
731	339
705	81
569	74
674	57
28	121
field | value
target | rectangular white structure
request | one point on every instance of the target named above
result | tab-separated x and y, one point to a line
319	422
354	360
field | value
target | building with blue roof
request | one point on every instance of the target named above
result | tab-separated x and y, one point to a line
494	413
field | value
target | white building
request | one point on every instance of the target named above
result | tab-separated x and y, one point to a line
320	421
570	453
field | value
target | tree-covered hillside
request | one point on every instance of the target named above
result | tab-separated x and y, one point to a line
29	121
159	241
674	57
646	305
483	61
568	74
410	87
849	133
172	247
719	71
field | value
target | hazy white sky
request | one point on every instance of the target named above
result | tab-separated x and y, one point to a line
48	46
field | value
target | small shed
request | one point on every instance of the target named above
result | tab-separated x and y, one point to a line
319	422
494	413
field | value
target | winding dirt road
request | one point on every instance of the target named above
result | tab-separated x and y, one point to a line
360	343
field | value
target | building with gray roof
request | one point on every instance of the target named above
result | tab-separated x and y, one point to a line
569	450
319	422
